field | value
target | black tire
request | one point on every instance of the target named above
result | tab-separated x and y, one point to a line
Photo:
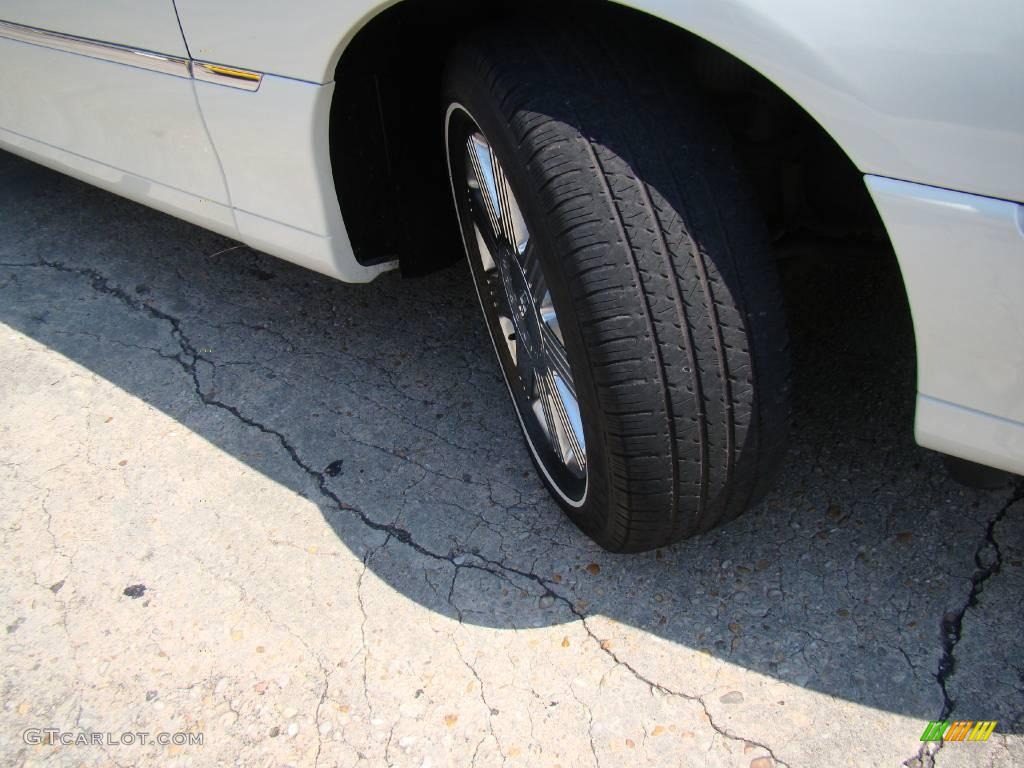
654	254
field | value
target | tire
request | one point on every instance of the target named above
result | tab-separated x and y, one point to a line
656	265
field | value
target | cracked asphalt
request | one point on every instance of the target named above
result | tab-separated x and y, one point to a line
242	499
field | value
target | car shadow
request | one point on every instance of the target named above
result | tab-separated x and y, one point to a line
384	400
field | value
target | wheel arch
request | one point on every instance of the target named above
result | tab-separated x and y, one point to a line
389	65
747	30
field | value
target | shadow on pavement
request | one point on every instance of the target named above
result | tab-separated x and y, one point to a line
384	405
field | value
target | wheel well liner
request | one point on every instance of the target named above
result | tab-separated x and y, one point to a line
387	142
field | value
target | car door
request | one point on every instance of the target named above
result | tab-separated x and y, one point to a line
102	90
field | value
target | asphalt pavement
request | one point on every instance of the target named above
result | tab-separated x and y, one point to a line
246	504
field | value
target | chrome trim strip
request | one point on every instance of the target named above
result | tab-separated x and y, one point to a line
119	54
134	57
222	75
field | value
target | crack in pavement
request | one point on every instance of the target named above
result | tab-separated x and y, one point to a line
188	359
590	725
487	707
316	718
952	624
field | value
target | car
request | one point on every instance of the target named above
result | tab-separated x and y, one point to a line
616	174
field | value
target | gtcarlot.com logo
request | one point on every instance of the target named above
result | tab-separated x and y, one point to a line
55	736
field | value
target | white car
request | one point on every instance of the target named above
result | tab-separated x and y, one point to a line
616	171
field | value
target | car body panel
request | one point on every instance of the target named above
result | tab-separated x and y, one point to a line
973	435
283	188
150	25
204	213
962	259
139	131
308	35
278	185
922	90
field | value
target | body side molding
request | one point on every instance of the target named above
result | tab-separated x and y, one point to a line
134	57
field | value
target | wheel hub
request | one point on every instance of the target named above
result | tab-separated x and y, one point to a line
525	318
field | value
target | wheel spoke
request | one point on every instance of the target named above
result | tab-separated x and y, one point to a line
548	316
526	370
487	256
555	356
564	425
548	418
484	225
568	410
483	187
512	224
487	177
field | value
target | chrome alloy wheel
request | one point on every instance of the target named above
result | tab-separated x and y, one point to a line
519	309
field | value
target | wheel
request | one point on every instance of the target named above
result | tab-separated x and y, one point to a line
625	281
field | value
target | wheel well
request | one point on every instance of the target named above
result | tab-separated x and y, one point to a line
386	132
